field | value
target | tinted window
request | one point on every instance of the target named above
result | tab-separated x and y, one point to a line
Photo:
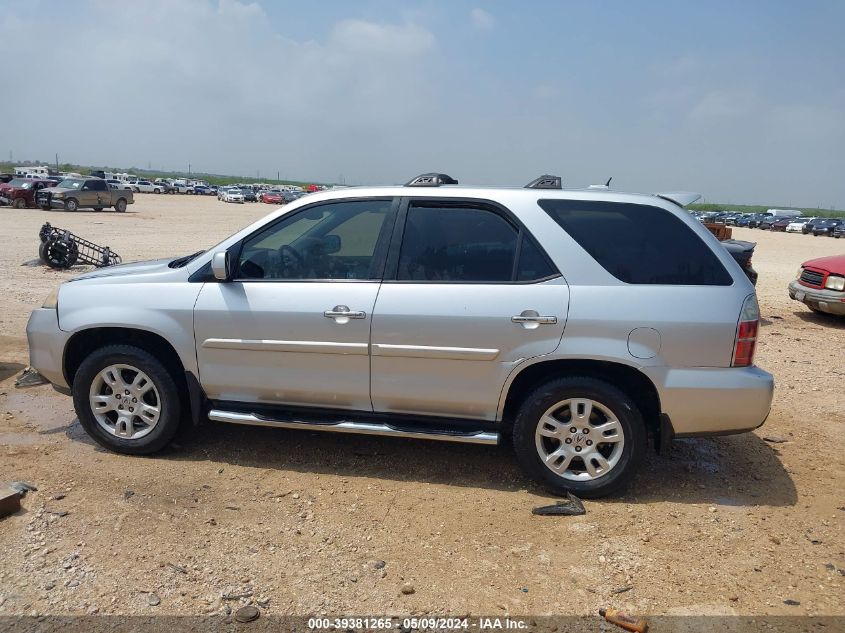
533	264
329	241
96	185
457	244
639	244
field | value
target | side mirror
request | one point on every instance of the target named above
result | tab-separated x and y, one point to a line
220	266
331	244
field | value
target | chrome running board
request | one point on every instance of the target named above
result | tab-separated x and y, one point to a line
363	428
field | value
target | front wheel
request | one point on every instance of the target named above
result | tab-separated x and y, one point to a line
19	203
126	400
579	435
71	204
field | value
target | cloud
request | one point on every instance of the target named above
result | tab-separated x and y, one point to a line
481	19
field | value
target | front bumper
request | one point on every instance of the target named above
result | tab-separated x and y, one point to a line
830	301
47	345
713	400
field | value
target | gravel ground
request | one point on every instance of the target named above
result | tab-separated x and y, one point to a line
307	523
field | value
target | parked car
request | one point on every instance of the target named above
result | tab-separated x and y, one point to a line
118	184
796	225
182	187
84	193
820	285
271	197
781	224
20	192
249	194
743	220
290	196
839	231
474	336
164	185
233	195
755	219
765	223
144	186
202	190
826	226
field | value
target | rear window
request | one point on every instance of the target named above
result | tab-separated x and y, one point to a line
639	244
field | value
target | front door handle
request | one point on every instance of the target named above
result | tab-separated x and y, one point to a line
342	314
530	319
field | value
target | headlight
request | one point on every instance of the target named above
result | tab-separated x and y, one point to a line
52	300
798	274
58	195
835	282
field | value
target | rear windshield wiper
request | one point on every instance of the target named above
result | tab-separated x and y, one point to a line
182	261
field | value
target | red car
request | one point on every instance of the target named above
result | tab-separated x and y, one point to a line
780	225
820	285
20	192
271	197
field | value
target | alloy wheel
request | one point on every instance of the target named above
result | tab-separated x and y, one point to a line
125	402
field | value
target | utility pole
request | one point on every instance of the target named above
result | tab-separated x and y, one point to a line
189	170
277	176
57	162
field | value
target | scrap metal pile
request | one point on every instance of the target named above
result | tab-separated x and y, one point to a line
62	249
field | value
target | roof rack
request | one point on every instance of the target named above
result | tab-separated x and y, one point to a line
431	180
546	181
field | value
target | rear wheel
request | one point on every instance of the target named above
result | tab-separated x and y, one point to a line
126	400
120	205
581	435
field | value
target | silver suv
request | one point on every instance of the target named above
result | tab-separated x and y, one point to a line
578	323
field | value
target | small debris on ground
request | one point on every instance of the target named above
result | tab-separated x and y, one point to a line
408	589
622	589
774	439
624	620
573	506
30	378
128	493
792	603
153	600
247	614
22	487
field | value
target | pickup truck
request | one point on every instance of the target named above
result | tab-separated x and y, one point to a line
20	192
144	186
84	193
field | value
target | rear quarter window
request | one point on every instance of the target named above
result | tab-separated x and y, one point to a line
638	243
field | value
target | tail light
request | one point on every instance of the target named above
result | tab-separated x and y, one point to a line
746	333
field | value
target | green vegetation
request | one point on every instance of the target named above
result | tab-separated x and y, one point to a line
750	208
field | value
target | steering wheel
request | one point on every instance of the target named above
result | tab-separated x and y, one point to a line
292	259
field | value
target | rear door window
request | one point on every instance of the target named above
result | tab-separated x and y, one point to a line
638	243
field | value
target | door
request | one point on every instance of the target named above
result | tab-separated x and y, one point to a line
468	294
294	326
88	195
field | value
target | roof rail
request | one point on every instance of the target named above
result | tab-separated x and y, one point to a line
431	180
545	181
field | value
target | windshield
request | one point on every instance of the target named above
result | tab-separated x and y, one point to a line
71	183
20	182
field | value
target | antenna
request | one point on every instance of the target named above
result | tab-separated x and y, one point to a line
607	184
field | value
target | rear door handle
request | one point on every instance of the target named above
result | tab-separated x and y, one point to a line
543	320
530	319
342	314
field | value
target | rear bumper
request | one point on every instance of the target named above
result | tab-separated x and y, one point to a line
713	400
47	345
830	301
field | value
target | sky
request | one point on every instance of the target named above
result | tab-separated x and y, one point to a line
743	101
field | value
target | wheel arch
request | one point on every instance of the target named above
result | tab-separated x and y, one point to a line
625	377
83	342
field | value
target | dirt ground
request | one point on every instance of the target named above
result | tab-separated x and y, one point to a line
308	523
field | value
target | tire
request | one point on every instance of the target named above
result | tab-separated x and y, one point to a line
156	190
59	254
148	437
71	204
19	203
555	398
120	205
136	190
